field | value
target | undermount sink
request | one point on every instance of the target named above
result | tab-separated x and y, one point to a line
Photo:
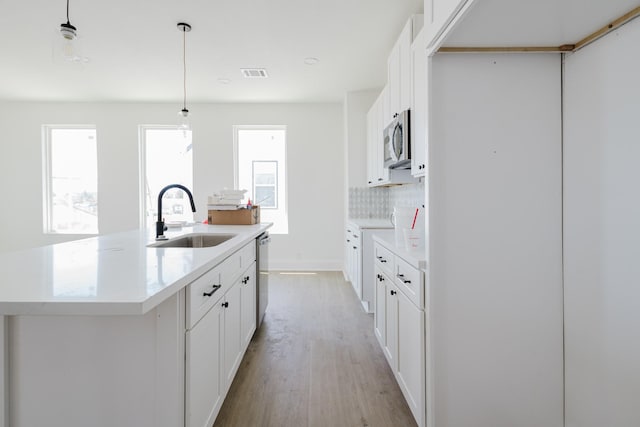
195	240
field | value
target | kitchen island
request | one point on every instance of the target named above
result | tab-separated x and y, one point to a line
102	331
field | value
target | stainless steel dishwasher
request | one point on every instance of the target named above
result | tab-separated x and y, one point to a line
262	285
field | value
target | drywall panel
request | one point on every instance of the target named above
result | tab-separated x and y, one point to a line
495	267
602	231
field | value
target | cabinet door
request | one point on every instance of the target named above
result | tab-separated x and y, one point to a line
419	107
204	388
439	14
391	318
394	82
383	173
380	312
248	305
357	262
372	143
411	356
232	349
404	67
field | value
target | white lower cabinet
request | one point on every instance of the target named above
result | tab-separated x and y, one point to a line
204	383
217	340
380	314
231	338
353	254
247	306
410	371
399	326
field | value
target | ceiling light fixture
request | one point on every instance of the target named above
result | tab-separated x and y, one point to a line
310	60
184	113
70	49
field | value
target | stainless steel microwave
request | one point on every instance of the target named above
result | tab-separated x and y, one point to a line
397	144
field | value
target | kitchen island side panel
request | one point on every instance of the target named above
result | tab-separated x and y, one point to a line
99	371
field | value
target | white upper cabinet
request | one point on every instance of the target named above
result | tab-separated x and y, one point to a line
419	103
399	70
377	174
438	15
393	82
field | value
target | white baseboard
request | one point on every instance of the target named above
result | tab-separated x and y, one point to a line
306	265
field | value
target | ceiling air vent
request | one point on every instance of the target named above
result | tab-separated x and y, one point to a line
254	73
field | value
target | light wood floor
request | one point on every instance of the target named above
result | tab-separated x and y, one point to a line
314	362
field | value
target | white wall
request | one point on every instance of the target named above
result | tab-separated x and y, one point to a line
602	231
494	289
314	148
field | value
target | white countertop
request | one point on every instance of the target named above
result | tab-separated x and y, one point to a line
388	239
115	274
370	222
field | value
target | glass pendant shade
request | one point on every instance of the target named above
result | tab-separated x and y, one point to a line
183	121
67	46
183	114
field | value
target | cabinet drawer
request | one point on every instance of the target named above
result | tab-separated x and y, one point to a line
353	236
410	281
235	264
356	239
385	259
202	294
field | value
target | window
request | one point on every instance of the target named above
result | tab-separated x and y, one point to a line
265	183
261	170
70	180
166	157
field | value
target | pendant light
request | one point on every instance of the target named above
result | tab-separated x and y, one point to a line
70	49
184	113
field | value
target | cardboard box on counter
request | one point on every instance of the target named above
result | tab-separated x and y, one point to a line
235	217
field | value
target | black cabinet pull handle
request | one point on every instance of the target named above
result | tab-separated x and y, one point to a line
225	304
348	240
393	292
213	291
401	277
355	247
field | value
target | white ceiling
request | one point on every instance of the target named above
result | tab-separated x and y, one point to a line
135	49
509	23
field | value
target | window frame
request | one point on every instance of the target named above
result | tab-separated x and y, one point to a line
285	181
47	170
274	185
142	169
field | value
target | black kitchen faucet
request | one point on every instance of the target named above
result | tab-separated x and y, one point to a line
160	228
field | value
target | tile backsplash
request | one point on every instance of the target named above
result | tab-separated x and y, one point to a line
378	202
367	202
